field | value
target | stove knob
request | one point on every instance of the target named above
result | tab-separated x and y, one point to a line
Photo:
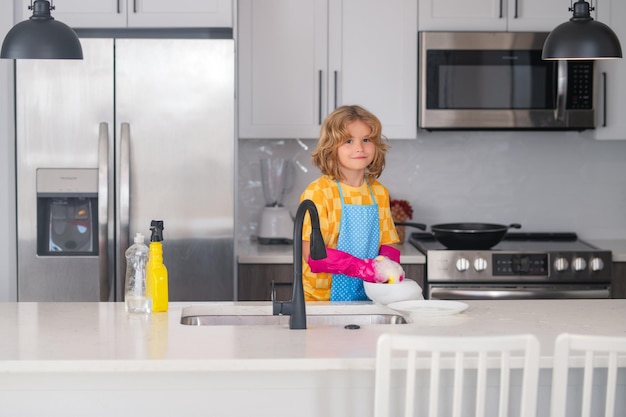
579	264
597	264
560	264
480	264
462	264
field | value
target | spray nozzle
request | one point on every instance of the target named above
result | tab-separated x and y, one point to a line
157	230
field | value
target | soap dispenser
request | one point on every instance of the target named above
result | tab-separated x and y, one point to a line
156	271
136	296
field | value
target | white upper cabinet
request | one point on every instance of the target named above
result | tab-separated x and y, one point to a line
298	61
611	78
493	15
140	13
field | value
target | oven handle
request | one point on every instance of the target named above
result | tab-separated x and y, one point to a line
505	292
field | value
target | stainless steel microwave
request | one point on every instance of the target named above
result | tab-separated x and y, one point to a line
497	80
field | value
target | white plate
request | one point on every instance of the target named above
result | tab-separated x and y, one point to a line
423	308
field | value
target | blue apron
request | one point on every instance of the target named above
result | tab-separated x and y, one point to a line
359	235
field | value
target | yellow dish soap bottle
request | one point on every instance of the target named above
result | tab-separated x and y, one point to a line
156	272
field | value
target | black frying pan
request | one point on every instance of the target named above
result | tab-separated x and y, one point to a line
470	235
474	236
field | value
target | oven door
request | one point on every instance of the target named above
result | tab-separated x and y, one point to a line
511	292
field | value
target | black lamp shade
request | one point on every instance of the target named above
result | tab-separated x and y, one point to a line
581	38
41	37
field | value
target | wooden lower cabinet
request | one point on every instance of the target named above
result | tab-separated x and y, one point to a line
255	280
618	286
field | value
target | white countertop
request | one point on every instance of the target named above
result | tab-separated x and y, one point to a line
617	246
253	253
250	252
101	337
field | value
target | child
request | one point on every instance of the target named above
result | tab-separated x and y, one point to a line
353	207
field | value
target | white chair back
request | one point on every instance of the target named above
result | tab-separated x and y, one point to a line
590	353
469	361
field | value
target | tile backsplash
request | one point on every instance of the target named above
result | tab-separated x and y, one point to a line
546	181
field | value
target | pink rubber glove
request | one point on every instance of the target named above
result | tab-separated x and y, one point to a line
339	262
390	252
381	269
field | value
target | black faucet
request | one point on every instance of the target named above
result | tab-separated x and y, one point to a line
296	308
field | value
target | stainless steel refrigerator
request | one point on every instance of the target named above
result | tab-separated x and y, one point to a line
140	129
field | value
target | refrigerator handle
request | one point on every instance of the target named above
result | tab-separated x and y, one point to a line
124	196
103	210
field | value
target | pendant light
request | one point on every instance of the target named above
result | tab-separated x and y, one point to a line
582	38
41	37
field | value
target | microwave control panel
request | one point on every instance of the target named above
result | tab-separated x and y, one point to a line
579	84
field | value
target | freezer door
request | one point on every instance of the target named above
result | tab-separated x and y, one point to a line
59	107
175	158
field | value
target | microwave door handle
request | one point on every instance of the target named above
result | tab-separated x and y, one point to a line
103	211
561	90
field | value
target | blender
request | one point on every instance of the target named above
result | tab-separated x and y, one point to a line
276	224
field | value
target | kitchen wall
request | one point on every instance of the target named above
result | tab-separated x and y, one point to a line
547	181
8	284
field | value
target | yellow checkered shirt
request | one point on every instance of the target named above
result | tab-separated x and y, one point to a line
325	194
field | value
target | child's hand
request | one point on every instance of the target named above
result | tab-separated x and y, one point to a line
387	271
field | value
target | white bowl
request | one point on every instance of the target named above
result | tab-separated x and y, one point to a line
390	293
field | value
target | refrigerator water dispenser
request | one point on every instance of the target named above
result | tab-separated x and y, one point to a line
67	212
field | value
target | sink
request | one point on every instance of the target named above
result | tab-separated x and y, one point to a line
311	319
319	313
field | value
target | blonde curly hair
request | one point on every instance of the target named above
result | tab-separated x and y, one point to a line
334	133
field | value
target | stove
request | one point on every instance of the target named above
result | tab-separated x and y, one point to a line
522	265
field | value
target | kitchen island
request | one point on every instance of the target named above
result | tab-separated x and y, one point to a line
93	359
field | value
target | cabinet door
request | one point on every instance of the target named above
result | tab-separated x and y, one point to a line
373	61
180	13
462	15
140	13
536	15
611	80
618	286
497	15
282	68
86	13
298	62
255	282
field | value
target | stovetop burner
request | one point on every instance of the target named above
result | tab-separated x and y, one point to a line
515	242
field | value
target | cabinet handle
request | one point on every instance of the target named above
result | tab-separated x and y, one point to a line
335	90
604	100
501	10
134	6
118	7
516	14
319	110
